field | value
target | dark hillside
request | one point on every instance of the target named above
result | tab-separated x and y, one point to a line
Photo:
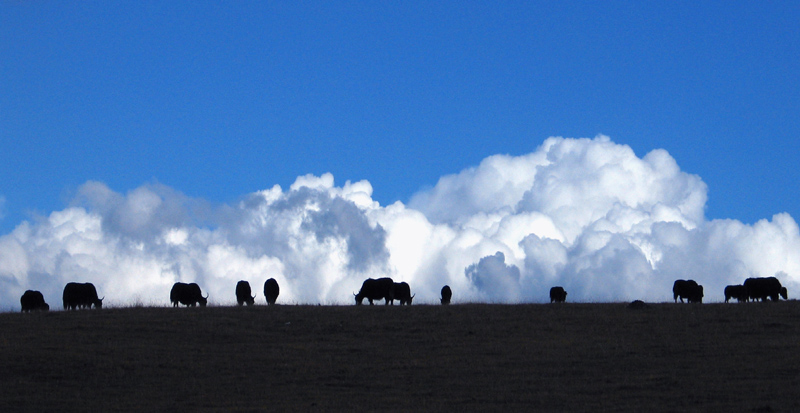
567	357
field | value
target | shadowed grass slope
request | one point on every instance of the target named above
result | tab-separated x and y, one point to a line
568	357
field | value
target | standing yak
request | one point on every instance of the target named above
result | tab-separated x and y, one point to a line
402	292
558	295
447	294
271	291
187	294
243	293
33	301
688	289
739	292
372	289
763	288
78	295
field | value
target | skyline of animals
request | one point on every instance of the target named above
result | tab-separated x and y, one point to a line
84	295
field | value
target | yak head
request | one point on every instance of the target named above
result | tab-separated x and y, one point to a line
203	300
784	293
99	302
359	298
697	295
411	298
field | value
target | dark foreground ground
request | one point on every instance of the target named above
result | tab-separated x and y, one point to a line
539	357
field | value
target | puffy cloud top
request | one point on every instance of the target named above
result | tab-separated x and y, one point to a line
586	214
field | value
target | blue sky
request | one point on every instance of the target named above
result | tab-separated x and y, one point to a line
115	104
219	99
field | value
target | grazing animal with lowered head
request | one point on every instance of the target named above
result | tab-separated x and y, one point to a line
187	294
372	289
243	293
765	287
402	292
739	292
558	295
33	301
447	294
78	295
271	291
688	289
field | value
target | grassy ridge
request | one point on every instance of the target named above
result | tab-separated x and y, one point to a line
576	357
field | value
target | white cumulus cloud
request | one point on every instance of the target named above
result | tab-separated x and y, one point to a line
585	214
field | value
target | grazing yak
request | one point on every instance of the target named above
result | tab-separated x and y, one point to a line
558	295
33	301
402	292
739	292
372	289
78	295
271	291
764	287
447	294
187	294
243	293
688	289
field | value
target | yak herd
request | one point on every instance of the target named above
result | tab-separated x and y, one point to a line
84	295
77	295
753	289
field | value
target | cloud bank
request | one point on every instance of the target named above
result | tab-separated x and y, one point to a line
586	214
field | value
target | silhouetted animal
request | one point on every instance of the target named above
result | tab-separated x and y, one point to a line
271	291
764	287
187	294
243	293
446	295
637	305
33	301
558	295
687	289
739	292
402	292
372	289
78	295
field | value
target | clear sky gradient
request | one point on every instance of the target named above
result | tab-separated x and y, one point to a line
220	99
